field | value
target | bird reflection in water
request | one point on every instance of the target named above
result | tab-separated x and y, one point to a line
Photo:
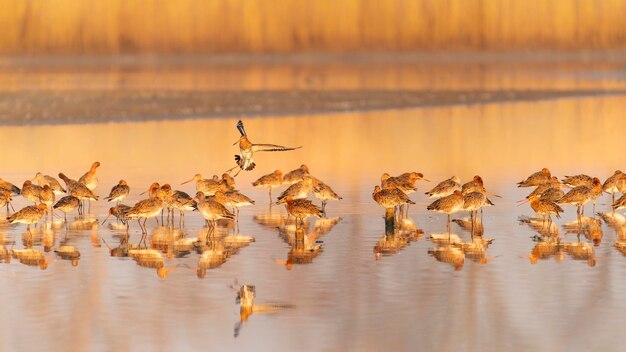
5	254
452	250
122	249
394	240
152	259
31	257
589	227
68	252
245	299
617	222
304	246
551	245
43	236
216	249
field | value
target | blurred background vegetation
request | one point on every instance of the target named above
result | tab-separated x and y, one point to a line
295	26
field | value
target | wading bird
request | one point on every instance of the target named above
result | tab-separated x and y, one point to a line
247	148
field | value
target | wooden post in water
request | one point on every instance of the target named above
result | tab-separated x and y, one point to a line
389	221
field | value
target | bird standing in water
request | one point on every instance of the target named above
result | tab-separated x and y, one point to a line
247	148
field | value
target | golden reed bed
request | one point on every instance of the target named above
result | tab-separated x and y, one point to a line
252	26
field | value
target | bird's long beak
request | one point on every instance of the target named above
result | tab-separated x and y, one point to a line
187	181
236	142
11	204
425	179
492	194
522	202
105	220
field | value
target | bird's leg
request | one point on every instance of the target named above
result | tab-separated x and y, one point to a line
613	201
578	215
156	219
593	211
449	226
549	221
324	207
162	222
89	209
270	197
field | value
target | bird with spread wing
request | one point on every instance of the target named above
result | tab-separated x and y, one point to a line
247	148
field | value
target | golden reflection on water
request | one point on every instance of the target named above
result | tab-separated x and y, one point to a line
501	142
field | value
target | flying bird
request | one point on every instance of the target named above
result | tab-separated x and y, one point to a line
247	148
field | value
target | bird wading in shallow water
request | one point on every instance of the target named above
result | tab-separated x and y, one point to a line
247	148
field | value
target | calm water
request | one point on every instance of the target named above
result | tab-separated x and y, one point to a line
342	297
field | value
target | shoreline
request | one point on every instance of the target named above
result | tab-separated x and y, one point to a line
59	107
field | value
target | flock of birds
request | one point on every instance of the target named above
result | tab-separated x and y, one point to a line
545	199
451	196
217	198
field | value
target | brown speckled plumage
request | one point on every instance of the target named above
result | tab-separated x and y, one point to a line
296	175
445	188
389	198
536	179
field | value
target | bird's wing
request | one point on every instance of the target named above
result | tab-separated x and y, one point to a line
271	148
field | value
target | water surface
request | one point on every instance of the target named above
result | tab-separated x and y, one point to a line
343	297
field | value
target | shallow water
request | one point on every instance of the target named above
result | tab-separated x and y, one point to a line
344	297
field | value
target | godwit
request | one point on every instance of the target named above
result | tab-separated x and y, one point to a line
405	186
43	180
545	208
233	199
553	182
78	190
620	203
296	175
46	196
611	185
118	192
596	188
412	177
31	191
473	201
143	210
212	210
449	205
10	187
445	188
89	179
476	185
298	190
536	179
152	190
301	209
578	180
389	198
577	196
269	181
5	199
552	194
67	204
29	215
324	193
229	181
183	202
208	186
119	212
247	148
